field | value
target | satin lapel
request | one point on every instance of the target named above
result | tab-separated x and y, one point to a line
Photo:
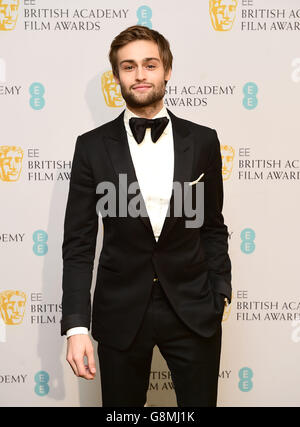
183	162
118	149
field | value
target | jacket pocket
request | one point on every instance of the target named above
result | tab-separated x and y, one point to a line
107	268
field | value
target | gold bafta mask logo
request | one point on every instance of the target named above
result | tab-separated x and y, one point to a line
10	163
111	90
227	153
12	306
222	14
8	14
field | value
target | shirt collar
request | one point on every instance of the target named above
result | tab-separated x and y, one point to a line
128	114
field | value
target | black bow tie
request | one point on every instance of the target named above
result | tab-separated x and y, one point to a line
139	125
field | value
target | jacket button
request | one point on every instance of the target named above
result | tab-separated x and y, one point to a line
155	279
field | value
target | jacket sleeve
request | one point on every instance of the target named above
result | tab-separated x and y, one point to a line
214	232
79	243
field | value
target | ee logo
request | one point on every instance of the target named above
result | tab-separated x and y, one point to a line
40	238
245	383
250	91
41	379
247	236
37	100
144	14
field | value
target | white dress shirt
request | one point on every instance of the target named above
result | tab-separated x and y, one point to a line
154	168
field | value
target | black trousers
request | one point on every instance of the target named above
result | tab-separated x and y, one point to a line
193	361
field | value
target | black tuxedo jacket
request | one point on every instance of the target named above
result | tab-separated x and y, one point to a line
192	264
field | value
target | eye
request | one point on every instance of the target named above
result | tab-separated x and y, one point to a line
127	67
150	66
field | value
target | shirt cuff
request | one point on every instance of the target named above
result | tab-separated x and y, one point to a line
77	331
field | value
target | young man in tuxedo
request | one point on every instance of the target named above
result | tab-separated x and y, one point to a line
159	281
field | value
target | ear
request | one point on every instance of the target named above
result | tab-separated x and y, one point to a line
168	74
116	79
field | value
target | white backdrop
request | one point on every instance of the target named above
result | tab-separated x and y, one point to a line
236	69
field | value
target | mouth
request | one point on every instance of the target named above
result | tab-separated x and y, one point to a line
141	87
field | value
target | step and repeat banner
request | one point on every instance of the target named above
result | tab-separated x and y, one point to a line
236	69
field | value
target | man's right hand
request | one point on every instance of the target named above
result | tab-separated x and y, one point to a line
79	346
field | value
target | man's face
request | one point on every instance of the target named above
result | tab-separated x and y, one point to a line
141	74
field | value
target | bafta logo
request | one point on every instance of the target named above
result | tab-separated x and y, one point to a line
227	153
111	90
222	14
10	163
8	14
12	306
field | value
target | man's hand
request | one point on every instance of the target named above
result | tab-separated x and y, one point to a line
78	347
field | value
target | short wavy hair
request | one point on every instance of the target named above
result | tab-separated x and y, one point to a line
139	32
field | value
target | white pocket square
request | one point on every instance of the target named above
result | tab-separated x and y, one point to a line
198	179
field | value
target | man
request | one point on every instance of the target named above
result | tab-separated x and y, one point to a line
159	282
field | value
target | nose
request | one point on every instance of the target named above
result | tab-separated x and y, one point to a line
140	73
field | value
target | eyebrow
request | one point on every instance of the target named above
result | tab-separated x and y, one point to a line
131	61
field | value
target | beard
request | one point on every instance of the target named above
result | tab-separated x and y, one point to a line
135	100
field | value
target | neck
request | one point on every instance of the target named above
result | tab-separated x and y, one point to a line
147	112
